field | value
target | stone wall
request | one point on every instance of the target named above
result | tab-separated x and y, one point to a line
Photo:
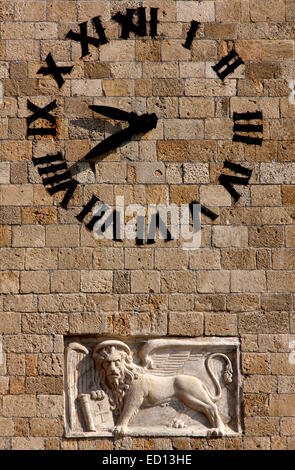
58	280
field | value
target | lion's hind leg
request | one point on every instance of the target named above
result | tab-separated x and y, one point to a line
209	409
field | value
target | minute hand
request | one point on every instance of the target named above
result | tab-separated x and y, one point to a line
137	125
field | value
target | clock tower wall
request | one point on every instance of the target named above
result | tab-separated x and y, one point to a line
111	111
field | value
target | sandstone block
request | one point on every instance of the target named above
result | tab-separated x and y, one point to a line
96	281
213	281
220	324
28	236
224	236
204	12
145	281
20	405
46	427
41	258
62	236
65	281
150	172
173	150
185	323
170	258
197	173
272	11
209	87
6	427
118	51
43	215
248	281
117	87
238	258
282	281
256	363
269	236
288	195
16	195
181	281
214	195
282	405
261	426
181	302
172	49
204	259
290	236
13	258
9	282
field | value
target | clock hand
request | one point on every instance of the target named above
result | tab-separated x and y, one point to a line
137	125
109	143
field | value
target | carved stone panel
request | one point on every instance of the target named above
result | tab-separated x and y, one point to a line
152	387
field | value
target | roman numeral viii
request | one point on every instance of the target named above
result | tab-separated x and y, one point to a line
56	177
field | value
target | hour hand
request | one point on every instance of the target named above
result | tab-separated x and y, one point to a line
110	143
137	125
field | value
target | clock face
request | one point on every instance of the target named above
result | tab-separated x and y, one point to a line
133	120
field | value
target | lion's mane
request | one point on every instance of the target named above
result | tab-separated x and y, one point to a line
131	372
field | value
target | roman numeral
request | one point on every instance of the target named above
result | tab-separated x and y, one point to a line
227	181
85	40
139	28
41	113
204	210
227	64
59	181
191	34
247	127
54	70
88	208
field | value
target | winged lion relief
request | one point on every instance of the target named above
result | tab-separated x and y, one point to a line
181	387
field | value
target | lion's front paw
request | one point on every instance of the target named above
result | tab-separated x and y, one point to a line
97	395
120	431
177	423
216	432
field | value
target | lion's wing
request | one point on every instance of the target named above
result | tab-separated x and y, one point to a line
166	358
169	363
80	373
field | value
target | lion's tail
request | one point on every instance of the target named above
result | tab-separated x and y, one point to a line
227	374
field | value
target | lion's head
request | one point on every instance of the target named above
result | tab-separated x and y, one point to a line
116	370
